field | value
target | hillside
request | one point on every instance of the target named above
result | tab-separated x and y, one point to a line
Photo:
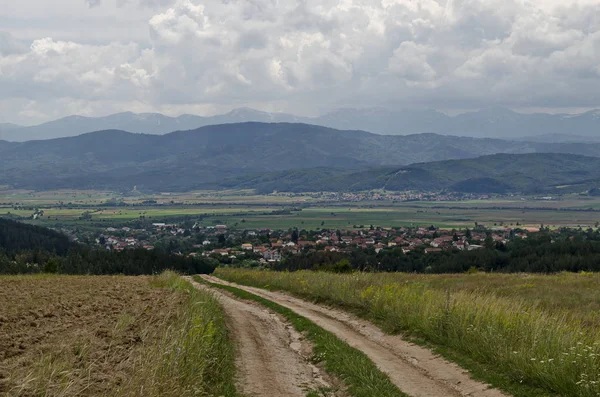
17	236
501	173
238	154
497	122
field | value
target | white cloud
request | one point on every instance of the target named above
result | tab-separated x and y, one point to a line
314	54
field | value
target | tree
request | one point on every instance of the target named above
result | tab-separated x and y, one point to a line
295	236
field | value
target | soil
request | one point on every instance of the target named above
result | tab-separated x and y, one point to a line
76	335
415	370
272	359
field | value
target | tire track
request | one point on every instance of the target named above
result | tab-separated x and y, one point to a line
415	370
272	357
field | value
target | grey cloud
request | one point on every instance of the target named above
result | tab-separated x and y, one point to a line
9	45
93	3
321	53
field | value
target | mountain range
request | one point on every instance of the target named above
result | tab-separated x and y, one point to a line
289	156
494	123
535	173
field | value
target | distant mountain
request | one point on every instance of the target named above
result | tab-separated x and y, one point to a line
384	121
5	145
142	123
536	173
501	173
560	138
9	127
149	123
494	123
215	156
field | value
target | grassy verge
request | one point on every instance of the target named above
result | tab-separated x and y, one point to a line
351	366
193	356
506	341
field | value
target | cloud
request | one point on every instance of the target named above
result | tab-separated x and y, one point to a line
315	54
93	3
9	45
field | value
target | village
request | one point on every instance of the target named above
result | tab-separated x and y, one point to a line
269	246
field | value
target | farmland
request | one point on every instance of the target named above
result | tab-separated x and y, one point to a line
247	210
514	331
109	335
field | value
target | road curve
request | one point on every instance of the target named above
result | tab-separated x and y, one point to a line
415	370
272	358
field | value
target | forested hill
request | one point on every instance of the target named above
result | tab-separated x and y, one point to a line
206	157
17	236
33	249
500	173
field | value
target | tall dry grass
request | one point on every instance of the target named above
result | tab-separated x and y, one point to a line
528	344
193	355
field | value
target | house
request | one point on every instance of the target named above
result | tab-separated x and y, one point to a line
272	255
247	247
461	245
474	247
260	250
430	250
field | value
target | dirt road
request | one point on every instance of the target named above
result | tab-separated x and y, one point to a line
415	370
272	357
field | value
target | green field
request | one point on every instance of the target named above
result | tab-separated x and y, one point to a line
409	215
532	335
244	209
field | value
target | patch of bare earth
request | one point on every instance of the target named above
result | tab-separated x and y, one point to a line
415	370
273	359
76	335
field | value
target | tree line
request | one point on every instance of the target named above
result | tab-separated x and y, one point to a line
543	252
26	249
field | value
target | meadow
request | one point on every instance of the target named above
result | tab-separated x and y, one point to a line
111	335
530	335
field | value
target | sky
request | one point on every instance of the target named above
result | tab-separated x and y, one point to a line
97	57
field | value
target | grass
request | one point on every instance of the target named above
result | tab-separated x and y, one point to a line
354	368
506	338
194	355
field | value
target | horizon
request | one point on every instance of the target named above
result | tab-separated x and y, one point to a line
449	113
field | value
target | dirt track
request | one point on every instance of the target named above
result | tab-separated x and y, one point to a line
272	358
415	370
